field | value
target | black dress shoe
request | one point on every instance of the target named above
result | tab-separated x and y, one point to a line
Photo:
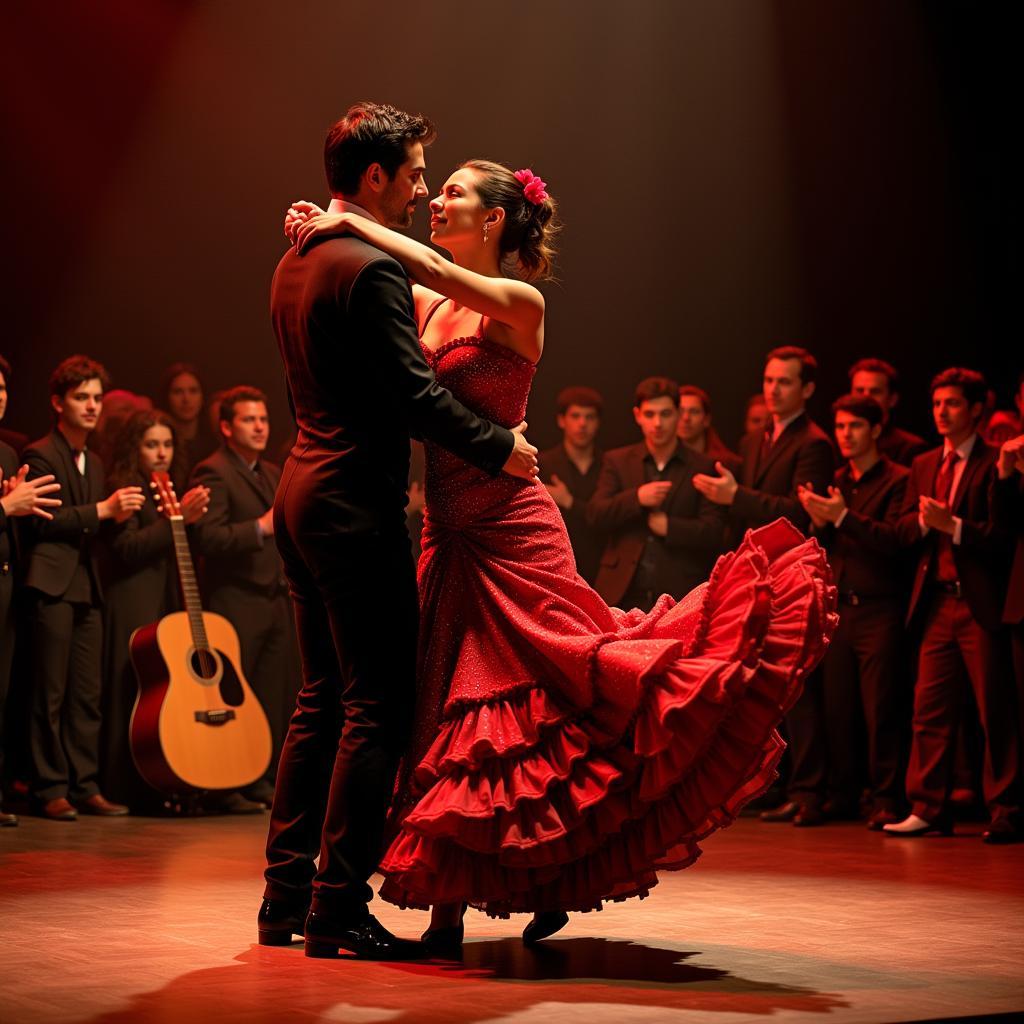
785	812
365	937
809	815
8	820
1000	831
544	924
280	920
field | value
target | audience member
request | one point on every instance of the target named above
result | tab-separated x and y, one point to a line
570	471
181	392
140	587
696	431
863	671
1008	515
663	536
879	380
242	576
757	417
792	452
958	595
18	497
118	407
65	596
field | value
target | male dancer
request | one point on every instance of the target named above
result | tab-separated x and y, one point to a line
359	385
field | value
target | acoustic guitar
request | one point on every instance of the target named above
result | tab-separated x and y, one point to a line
196	724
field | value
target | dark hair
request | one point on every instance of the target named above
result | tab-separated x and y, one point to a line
241	393
757	399
371	133
577	394
172	373
970	382
528	234
5	369
124	458
808	364
873	365
656	387
77	370
862	406
696	392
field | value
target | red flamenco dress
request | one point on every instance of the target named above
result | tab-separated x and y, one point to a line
565	751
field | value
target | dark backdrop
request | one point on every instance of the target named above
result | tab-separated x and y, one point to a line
732	176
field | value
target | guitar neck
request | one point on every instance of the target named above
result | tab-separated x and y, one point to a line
189	587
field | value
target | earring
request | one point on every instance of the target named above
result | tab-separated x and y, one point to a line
487	228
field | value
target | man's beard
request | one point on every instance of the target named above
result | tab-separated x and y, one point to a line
401	216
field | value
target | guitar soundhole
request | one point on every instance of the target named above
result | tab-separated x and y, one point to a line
204	664
230	686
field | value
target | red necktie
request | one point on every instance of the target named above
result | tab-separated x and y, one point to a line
945	564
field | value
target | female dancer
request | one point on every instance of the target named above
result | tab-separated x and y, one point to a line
563	751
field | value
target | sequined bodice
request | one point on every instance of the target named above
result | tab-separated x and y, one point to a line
494	382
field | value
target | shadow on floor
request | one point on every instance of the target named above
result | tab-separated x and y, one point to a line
496	978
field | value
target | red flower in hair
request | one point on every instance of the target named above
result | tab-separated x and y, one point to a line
533	187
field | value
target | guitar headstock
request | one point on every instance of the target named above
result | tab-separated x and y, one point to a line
166	499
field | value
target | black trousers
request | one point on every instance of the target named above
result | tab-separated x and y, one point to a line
6	655
957	652
805	736
266	632
356	616
64	727
1017	649
866	696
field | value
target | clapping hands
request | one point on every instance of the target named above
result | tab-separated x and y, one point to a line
822	510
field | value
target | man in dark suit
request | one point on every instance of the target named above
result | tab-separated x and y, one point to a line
570	470
791	453
878	379
663	535
242	576
18	497
958	595
359	384
65	597
1008	515
863	668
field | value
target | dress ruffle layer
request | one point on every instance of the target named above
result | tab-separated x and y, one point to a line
526	802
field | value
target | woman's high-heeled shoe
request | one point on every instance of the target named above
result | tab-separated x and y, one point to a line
544	924
446	942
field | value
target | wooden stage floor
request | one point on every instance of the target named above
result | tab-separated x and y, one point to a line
140	921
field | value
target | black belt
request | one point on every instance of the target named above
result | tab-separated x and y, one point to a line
951	587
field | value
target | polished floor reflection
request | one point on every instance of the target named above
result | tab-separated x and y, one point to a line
140	921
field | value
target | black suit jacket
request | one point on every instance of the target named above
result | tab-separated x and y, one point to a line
768	486
865	550
59	545
587	541
360	385
1008	514
982	556
695	526
9	467
233	551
